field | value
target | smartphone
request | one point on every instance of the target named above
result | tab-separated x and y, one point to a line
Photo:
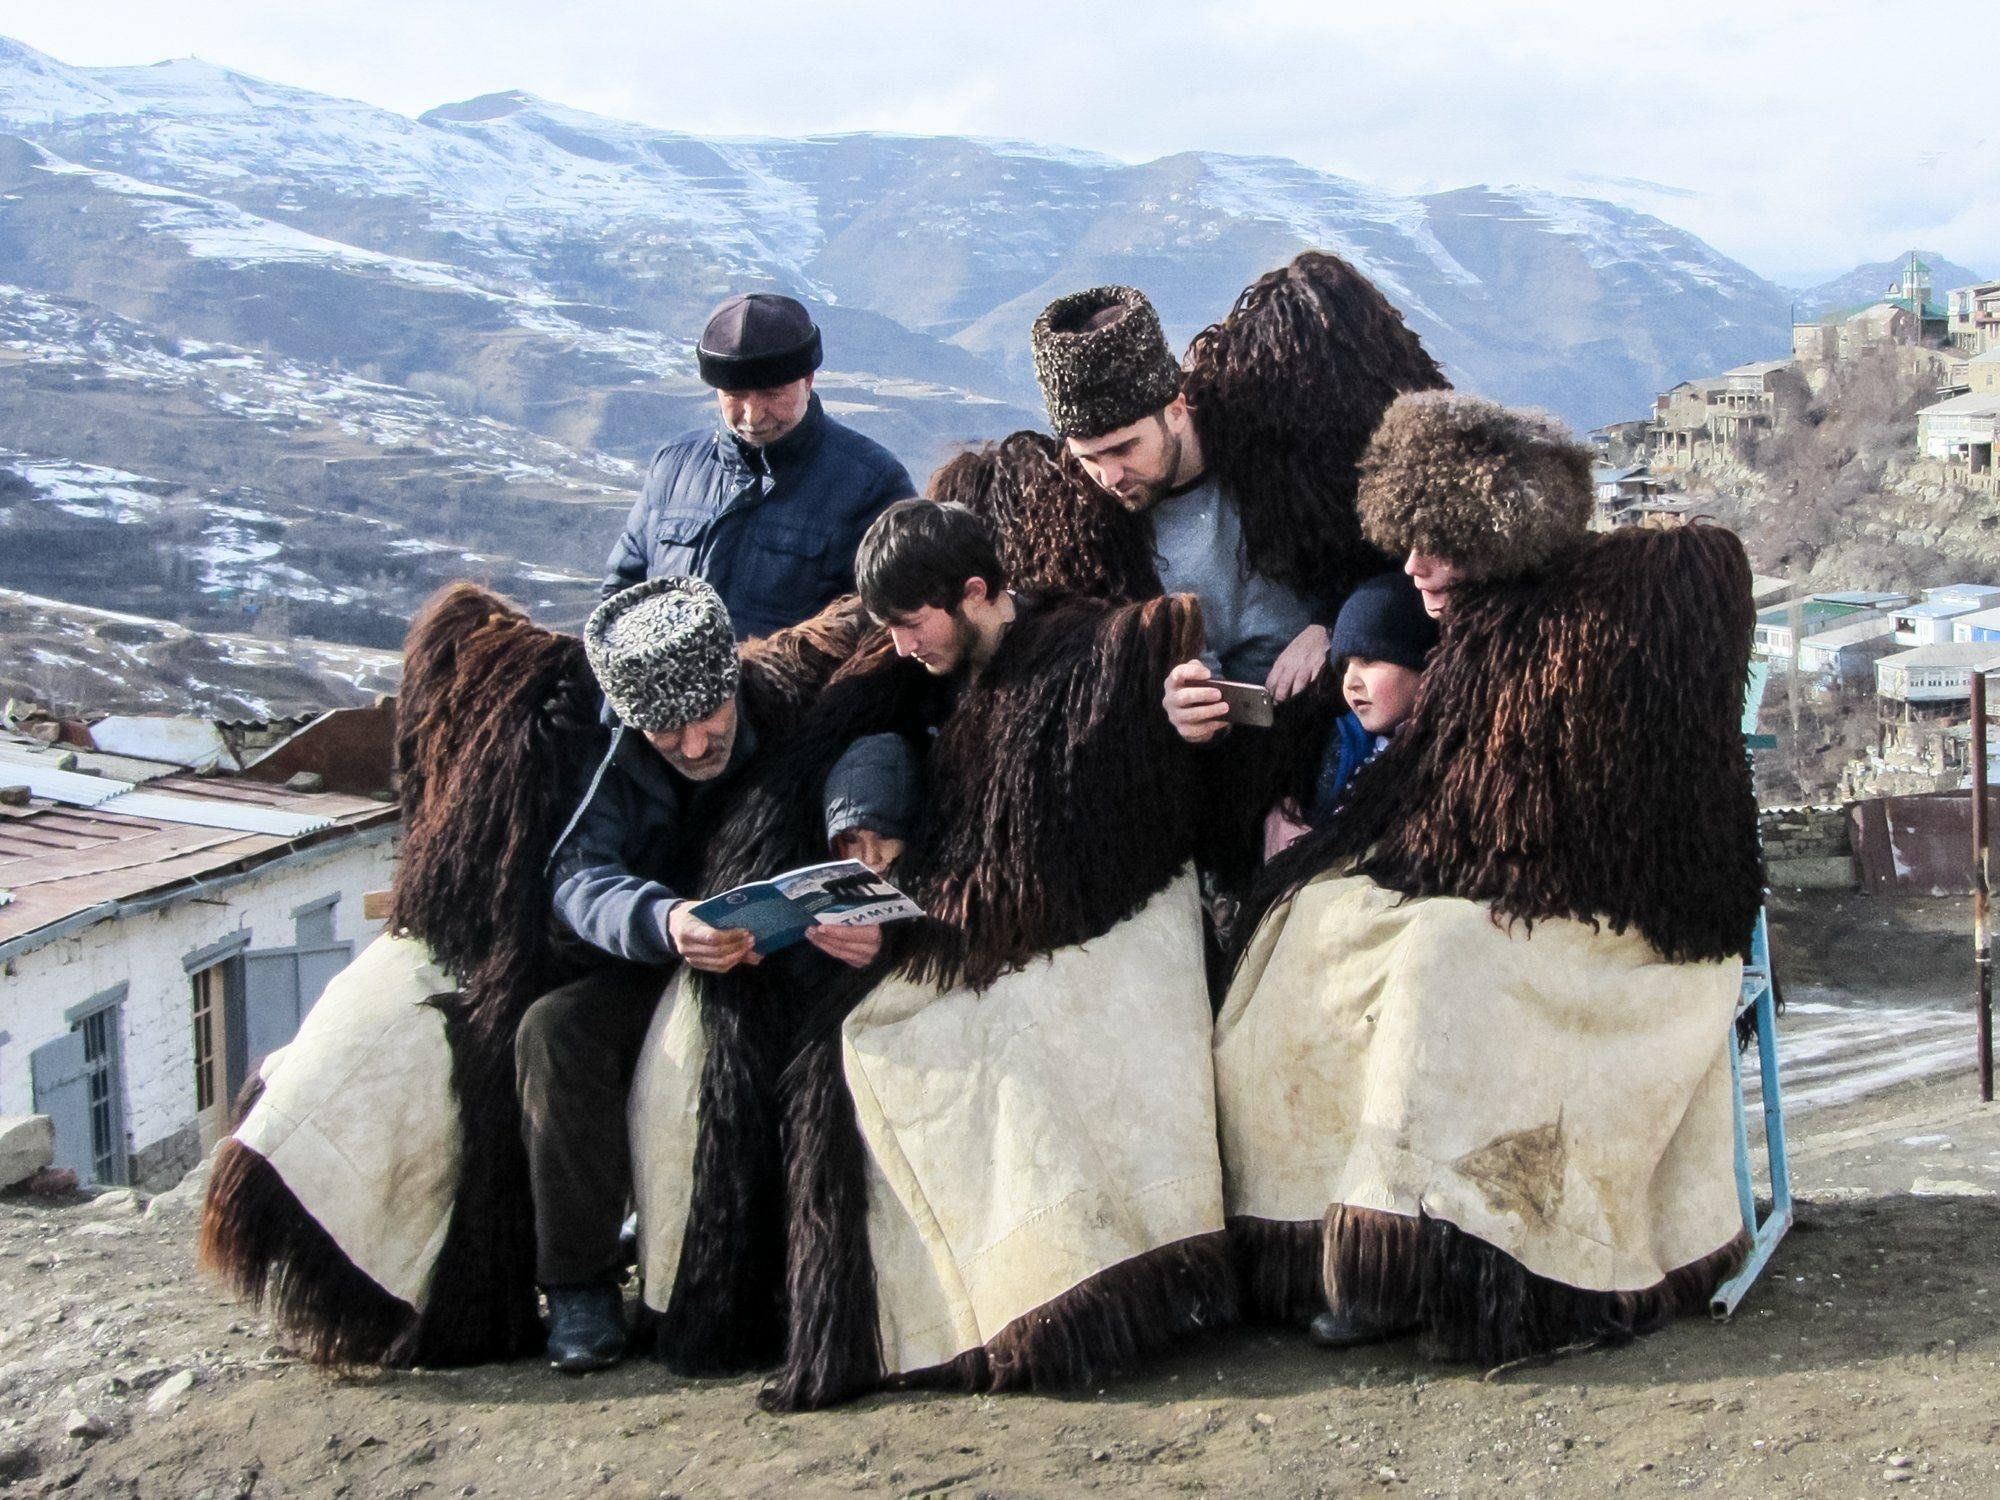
1249	702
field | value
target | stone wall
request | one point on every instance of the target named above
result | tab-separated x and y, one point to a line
1808	848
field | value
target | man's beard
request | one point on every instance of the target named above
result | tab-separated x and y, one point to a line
710	765
964	646
1143	497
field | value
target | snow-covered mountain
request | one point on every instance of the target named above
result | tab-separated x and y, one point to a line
265	349
929	255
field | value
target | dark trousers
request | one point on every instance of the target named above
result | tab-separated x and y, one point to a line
574	1057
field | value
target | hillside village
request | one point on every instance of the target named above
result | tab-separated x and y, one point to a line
1870	673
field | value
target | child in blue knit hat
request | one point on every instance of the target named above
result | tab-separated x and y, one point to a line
1380	640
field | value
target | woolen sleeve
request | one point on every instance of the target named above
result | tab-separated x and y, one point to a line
597	895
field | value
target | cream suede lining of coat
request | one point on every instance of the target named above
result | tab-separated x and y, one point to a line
1565	1096
358	1118
1020	1139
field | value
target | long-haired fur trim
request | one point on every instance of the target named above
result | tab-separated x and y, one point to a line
1286	392
1476	1304
1104	1327
1575	750
725	1312
834	1350
1057	530
257	1237
1279	1265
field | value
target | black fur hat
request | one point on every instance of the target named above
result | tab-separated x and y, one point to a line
1496	491
1103	361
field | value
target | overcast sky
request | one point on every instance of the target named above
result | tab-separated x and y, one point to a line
1800	138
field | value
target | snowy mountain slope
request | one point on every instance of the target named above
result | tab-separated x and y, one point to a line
905	241
73	658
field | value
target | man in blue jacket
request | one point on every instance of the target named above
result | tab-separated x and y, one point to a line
665	656
769	505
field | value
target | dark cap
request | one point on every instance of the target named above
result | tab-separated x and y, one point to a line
756	340
1384	620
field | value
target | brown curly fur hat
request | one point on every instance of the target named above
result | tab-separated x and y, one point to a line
1496	491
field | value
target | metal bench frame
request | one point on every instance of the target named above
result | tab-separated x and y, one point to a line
1759	998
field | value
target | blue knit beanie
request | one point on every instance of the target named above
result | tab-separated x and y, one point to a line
1384	620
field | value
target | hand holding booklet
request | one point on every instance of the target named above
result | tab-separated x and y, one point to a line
777	912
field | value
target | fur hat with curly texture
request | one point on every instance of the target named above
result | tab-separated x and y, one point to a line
1103	361
663	652
1497	492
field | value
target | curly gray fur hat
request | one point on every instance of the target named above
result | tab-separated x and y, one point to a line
663	652
1496	491
1103	361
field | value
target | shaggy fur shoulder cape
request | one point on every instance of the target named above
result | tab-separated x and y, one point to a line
1575	750
1058	802
1286	392
494	717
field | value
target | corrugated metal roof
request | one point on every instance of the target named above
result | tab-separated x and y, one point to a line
100	793
214	812
194	743
72	788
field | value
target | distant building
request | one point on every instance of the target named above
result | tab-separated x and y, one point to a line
1904	315
1618	442
1773	633
1961	434
1622	492
162	931
1716	412
1982	373
1767	589
1921	690
1981	595
1929	623
1844	653
1679	430
1984	625
1973	317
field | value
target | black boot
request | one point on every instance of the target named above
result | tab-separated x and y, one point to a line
1347	1330
586	1326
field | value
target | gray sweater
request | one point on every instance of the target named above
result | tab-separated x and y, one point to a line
1198	545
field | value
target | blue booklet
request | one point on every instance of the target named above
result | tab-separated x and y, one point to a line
777	912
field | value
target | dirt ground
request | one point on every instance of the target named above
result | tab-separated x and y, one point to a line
1869	1354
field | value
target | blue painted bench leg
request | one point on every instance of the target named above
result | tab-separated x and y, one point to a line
1761	1000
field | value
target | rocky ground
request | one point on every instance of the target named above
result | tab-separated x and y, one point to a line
1868	1355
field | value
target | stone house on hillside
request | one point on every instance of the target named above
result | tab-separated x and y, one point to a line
1973	317
1962	433
1715	413
160	933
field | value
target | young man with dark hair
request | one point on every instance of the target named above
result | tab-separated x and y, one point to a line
930	575
1114	395
933	576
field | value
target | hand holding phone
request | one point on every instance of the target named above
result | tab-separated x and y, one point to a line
1194	706
1247	702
